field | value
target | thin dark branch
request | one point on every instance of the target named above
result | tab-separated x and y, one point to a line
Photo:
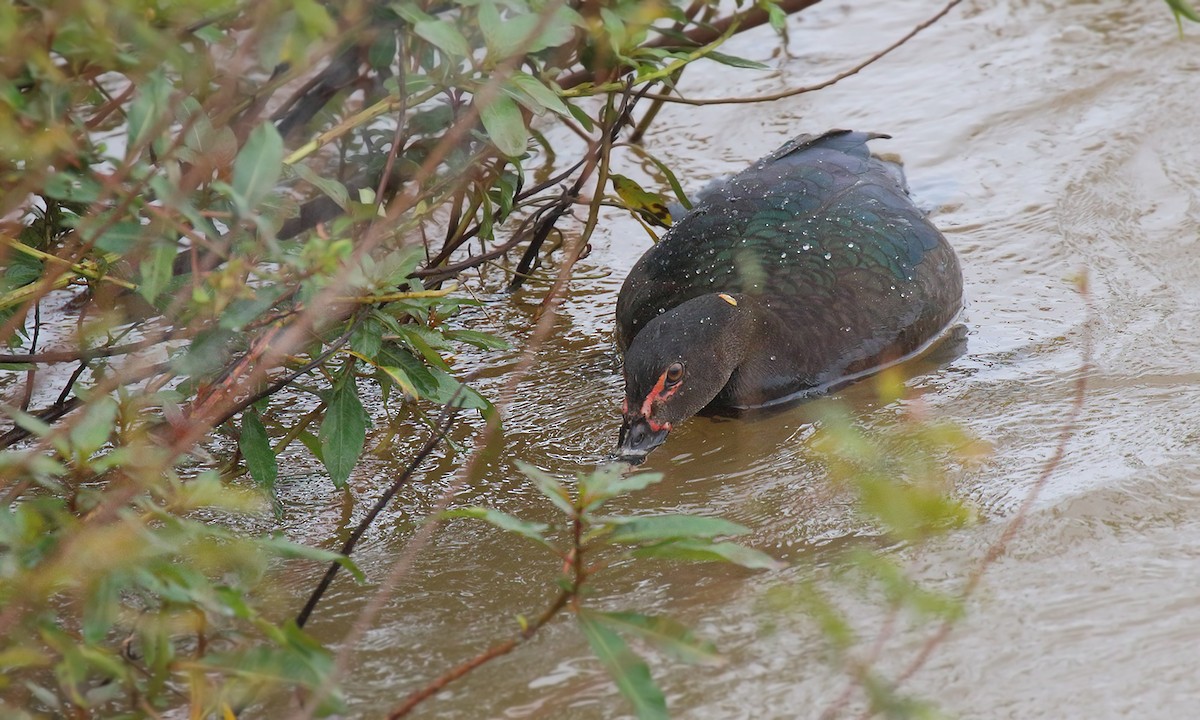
439	273
610	134
398	136
68	356
818	86
567	595
287	379
498	650
445	422
70	384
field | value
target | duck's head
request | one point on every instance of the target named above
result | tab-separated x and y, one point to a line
675	367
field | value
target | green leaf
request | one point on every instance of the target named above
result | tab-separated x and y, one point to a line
427	343
482	340
285	548
90	433
398	376
548	486
343	431
520	33
1184	9
72	187
258	165
156	271
533	94
444	36
705	551
313	444
505	125
406	370
627	669
736	62
120	237
669	636
673	181
100	608
256	448
581	117
777	15
367	338
148	108
669	527
329	186
649	206
533	530
607	482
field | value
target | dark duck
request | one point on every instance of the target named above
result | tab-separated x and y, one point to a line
806	271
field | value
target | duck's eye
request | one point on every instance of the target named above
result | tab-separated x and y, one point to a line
674	373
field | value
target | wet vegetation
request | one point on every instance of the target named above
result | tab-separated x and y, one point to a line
211	209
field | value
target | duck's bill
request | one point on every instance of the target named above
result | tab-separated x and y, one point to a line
638	439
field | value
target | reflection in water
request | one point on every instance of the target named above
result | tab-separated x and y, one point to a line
1052	138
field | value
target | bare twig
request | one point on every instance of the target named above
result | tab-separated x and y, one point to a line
818	86
437	685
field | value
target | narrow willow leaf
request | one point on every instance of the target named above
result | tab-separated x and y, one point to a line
72	187
669	636
156	271
400	378
329	186
451	389
627	669
256	448
420	382
903	590
482	340
668	527
1183	8
120	237
427	343
505	125
285	548
100	609
705	551
444	36
607	482
548	486
649	206
525	33
258	165
533	530
673	181
313	444
581	117
367	338
148	108
89	434
777	15
737	62
343	432
533	94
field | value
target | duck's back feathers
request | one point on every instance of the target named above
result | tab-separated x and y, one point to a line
847	270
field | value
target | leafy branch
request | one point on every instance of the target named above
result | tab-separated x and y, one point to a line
590	534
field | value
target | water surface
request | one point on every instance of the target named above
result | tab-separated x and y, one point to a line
1049	139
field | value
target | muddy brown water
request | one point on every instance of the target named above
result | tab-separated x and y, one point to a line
1048	138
